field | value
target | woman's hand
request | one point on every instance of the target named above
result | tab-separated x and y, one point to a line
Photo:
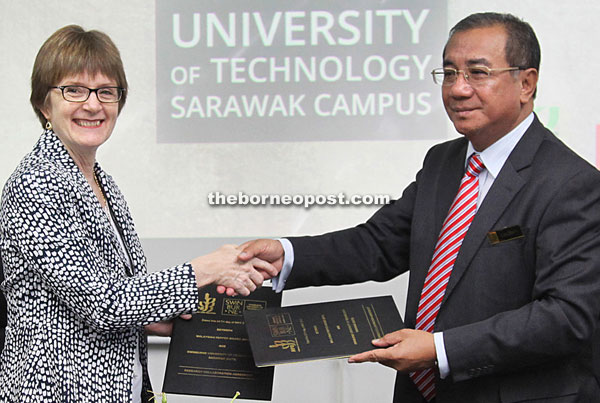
163	328
223	267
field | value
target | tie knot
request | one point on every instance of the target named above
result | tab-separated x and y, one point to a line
475	165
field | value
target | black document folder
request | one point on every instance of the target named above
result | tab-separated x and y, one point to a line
319	331
209	355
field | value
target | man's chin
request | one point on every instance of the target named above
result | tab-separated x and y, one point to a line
465	130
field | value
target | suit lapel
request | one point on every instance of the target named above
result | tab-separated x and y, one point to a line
439	184
117	216
506	186
448	183
124	223
99	226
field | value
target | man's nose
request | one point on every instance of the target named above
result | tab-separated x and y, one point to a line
461	87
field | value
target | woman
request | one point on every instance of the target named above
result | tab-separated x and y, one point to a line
75	274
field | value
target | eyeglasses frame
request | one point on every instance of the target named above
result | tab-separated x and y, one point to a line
90	90
466	75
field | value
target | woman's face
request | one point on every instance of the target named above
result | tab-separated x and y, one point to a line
82	126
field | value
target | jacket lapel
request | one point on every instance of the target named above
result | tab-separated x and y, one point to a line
124	223
54	149
448	183
504	189
98	224
439	183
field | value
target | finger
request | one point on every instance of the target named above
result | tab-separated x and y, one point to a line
367	356
250	286
243	246
231	292
247	282
243	291
379	343
221	289
248	250
392	338
256	278
186	316
386	342
255	248
266	267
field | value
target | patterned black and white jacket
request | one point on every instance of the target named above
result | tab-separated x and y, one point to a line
75	310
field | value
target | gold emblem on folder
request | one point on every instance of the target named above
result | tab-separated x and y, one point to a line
208	305
291	345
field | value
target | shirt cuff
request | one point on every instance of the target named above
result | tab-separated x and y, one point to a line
288	261
440	352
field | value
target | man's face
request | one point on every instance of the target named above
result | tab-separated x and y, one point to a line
489	110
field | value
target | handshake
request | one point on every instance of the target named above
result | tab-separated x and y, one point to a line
242	269
239	269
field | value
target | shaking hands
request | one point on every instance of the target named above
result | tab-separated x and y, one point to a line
238	276
257	261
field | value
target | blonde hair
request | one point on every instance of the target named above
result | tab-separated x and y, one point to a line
71	51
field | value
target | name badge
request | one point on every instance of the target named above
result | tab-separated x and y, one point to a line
505	234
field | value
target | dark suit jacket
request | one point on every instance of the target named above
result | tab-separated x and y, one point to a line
519	316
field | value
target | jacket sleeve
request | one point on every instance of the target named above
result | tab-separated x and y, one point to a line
376	250
43	222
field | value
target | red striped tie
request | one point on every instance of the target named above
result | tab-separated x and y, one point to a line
451	237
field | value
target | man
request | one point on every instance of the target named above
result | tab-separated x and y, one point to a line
511	289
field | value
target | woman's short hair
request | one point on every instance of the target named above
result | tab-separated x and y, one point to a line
71	51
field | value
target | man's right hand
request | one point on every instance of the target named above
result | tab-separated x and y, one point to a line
224	268
267	250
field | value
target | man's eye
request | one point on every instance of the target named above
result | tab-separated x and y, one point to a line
475	72
449	73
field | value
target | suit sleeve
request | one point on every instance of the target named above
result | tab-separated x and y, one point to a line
565	300
376	250
42	221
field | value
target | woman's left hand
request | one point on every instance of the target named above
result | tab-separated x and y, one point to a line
163	328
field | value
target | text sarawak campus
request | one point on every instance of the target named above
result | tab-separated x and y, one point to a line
241	60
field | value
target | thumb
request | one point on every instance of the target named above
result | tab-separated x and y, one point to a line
245	256
247	251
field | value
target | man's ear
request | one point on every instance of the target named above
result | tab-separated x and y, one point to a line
529	79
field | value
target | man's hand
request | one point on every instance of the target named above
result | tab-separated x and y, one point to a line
163	328
259	251
265	249
405	350
223	268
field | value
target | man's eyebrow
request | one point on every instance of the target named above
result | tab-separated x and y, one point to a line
481	61
471	62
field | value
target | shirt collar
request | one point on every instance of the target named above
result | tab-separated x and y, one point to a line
496	155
